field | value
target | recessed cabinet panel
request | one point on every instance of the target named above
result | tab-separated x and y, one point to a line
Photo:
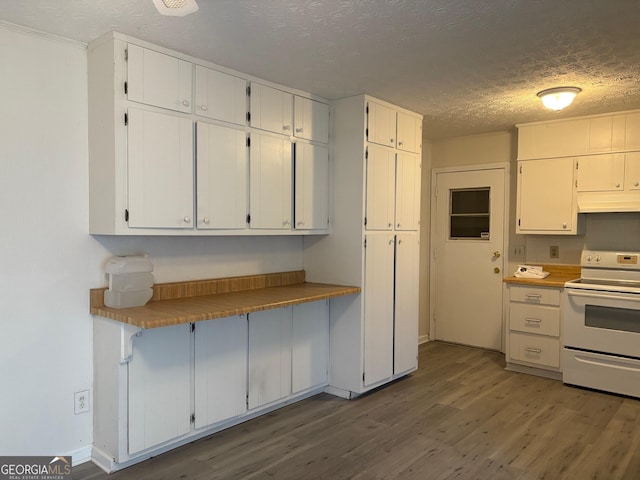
270	182
271	109
600	173
632	171
380	188
159	387
220	96
311	119
222	177
381	124
311	187
632	131
405	351
310	345
408	179
158	79
160	170
409	133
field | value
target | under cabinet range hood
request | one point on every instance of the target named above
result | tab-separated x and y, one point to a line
608	202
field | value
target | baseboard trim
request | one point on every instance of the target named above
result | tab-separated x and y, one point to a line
81	455
423	339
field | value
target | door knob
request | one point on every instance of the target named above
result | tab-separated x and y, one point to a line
496	254
496	270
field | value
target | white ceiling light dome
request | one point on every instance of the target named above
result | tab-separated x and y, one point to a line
176	8
559	97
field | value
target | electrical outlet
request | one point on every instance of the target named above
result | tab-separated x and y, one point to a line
81	402
517	251
554	251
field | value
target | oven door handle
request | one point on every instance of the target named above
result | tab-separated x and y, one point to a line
606	296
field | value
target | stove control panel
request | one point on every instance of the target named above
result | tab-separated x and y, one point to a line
607	259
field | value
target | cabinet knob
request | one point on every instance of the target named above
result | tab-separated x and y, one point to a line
187	219
390	225
300	223
203	108
391	140
286	223
635	184
617	185
286	128
205	220
564	225
399	143
185	103
298	130
398	226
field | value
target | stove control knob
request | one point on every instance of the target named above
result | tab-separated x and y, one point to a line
589	259
597	258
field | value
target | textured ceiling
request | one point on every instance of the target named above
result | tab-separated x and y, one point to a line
470	66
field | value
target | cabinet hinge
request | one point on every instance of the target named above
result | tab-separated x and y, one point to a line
366	153
126	119
248	141
365	221
366	133
367	109
248	218
126	215
362	377
193	326
518	222
248	117
520	168
247	401
126	88
126	54
193	418
248	90
365	242
577	163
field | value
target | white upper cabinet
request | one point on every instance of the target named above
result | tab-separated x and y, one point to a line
409	133
600	173
270	182
311	119
381	124
220	96
408	184
271	109
311	187
160	170
222	181
632	171
380	188
157	79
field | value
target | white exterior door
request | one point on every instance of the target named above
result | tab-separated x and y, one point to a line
222	177
220	374
159	387
380	188
221	96
311	187
160	170
405	338
378	308
468	257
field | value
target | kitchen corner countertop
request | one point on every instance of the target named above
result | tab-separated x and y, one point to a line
558	276
186	302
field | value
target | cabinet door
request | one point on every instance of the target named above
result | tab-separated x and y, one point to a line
220	96
632	171
157	79
311	187
378	308
310	345
381	124
409	133
220	374
405	338
380	188
159	387
311	119
271	109
222	177
408	180
269	356
600	173
160	170
546	196
270	182
632	131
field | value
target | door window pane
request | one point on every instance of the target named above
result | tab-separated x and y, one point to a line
469	216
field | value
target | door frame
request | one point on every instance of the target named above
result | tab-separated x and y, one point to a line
506	168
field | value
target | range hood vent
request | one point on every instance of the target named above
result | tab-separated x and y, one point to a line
608	202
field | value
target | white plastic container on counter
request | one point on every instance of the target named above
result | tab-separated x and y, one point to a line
130	281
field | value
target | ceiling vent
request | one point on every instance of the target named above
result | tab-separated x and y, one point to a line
176	8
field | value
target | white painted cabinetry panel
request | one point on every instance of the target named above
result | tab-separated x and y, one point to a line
222	180
311	187
632	171
160	170
157	79
159	387
311	119
407	279
220	373
220	96
271	109
408	181
310	346
380	187
381	124
409	133
600	173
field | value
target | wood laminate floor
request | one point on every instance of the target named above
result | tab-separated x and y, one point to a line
460	416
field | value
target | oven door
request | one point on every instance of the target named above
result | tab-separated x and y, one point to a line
601	321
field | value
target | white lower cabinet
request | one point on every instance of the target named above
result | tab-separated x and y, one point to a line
534	337
160	388
405	327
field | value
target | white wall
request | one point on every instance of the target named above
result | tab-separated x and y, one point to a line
50	261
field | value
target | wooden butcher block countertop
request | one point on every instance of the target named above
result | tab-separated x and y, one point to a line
558	276
186	302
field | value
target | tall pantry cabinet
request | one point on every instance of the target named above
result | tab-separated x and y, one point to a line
375	178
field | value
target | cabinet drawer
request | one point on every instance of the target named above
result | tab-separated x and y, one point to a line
535	295
537	319
535	349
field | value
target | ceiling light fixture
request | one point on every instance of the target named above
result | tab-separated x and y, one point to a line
559	97
176	8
